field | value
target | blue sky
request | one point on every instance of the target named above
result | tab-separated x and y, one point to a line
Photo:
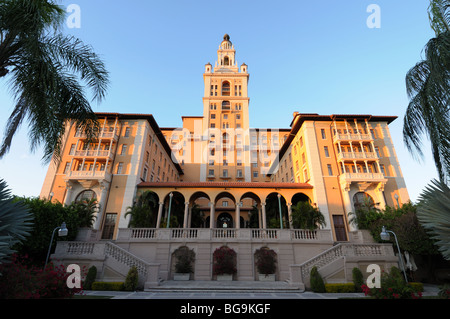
305	56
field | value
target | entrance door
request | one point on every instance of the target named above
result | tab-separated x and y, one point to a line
224	221
339	228
109	226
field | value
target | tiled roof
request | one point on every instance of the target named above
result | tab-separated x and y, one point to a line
226	185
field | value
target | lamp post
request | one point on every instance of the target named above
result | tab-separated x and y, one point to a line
396	198
385	236
63	231
279	207
170	206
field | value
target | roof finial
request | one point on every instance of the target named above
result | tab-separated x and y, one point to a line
226	37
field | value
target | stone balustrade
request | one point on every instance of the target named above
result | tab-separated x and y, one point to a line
207	234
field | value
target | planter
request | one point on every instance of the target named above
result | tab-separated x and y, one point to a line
224	277
269	277
181	277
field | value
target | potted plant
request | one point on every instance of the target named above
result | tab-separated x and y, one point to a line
183	266
224	266
266	264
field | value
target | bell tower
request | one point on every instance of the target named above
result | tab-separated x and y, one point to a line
225	113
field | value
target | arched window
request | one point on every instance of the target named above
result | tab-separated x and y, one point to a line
226	105
226	88
226	61
361	200
86	195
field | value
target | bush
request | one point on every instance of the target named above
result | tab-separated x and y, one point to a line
107	286
316	281
22	281
90	278
266	261
444	292
340	287
185	258
224	261
131	281
358	280
393	286
416	286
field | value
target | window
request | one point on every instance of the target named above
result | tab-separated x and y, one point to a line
225	173
239	173
211	172
119	168
67	168
377	150
127	131
124	149
225	203
255	174
147	156
226	105
226	88
72	149
213	116
327	154
324	136
330	170
144	174
383	170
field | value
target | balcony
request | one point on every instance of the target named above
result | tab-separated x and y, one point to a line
339	137
358	156
103	134
362	177
93	153
88	175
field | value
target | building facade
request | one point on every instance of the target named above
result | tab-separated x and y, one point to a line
241	181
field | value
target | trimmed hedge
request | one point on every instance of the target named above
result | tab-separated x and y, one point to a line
107	286
340	287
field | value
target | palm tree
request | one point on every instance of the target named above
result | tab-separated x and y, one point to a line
46	72
434	214
428	85
15	222
306	216
86	210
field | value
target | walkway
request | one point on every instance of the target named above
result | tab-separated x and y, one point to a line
230	290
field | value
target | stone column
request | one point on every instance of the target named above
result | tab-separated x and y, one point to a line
289	205
158	221
238	216
69	188
211	215
104	186
263	205
186	212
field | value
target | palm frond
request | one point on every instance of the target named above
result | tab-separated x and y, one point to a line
433	213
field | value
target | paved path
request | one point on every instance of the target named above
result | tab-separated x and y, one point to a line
233	290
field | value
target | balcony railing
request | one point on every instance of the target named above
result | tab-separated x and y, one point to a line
88	175
357	156
233	234
104	134
352	137
362	177
93	153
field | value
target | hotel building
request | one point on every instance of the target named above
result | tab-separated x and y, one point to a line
242	181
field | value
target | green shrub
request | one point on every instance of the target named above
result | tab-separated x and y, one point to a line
131	281
358	280
316	281
90	278
107	286
340	287
416	286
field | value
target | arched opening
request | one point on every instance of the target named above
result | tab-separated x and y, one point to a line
144	212
198	210
276	206
362	200
226	60
173	206
225	88
300	197
86	195
225	220
251	210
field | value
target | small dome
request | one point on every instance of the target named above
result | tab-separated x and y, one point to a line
226	37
